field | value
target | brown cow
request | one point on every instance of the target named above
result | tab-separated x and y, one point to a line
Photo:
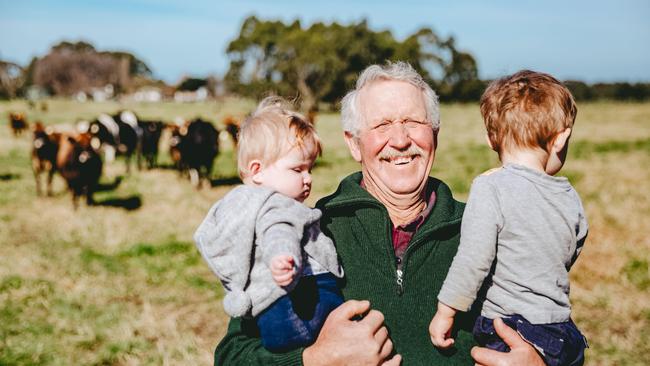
45	147
312	113
80	165
178	129
17	123
232	127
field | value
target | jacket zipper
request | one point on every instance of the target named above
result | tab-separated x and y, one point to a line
401	266
399	278
400	282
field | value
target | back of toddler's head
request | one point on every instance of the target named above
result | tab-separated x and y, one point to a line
526	110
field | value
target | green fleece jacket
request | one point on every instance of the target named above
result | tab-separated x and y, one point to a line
361	230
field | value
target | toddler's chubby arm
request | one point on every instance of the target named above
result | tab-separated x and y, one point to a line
440	326
282	269
476	253
280	226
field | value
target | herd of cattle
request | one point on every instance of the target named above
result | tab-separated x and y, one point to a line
79	156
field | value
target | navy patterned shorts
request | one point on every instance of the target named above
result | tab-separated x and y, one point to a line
560	344
294	320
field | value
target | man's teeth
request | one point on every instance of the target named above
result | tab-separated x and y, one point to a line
401	160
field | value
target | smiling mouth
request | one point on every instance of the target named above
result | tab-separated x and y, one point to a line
400	160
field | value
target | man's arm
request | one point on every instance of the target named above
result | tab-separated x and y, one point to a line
241	346
341	341
346	341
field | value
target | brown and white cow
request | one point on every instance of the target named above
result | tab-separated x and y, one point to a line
195	145
80	165
17	123
45	147
232	127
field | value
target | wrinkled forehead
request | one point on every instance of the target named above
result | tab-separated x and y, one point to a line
390	100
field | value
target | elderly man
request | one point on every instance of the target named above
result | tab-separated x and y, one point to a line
396	231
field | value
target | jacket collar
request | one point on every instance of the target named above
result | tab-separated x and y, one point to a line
349	194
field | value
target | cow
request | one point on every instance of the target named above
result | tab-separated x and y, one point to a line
45	147
232	127
80	165
17	123
177	130
196	145
117	135
312	113
148	146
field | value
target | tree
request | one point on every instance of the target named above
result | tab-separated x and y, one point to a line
72	67
322	61
11	79
191	84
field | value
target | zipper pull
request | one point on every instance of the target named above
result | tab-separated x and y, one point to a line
400	282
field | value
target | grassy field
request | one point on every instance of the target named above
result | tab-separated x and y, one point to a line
105	285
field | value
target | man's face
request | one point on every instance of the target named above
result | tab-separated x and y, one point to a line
396	143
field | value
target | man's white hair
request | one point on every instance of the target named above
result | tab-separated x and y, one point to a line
402	71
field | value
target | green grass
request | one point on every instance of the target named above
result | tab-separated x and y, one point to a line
104	285
636	271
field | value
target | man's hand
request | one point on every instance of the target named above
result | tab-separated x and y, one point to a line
344	341
282	269
440	326
521	353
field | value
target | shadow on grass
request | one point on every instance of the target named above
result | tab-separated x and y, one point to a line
227	181
127	203
9	176
164	167
103	187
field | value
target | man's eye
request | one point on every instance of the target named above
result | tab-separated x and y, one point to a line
413	123
383	125
297	170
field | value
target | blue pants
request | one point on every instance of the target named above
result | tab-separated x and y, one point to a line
560	344
294	320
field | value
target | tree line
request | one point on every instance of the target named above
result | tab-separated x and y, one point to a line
320	62
317	64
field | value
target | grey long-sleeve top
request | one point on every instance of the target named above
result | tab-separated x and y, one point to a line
249	226
521	231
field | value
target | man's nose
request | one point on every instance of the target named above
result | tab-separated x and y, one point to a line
307	179
399	135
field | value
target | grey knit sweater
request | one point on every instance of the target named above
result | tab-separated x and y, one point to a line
249	226
522	230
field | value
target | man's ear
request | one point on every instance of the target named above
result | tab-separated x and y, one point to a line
560	140
255	171
435	139
353	145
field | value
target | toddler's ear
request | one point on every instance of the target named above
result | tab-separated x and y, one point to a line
560	140
489	142
255	171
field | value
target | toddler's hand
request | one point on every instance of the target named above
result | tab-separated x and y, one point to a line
440	328
282	269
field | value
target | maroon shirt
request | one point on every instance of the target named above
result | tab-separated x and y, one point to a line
403	234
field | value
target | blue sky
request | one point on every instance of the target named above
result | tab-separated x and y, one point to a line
586	40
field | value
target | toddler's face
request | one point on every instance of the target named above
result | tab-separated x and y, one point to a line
289	175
